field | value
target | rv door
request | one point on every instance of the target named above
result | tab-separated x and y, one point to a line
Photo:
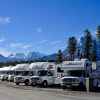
50	77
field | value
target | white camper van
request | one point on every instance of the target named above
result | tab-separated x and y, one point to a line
11	74
76	73
1	72
48	73
5	73
22	74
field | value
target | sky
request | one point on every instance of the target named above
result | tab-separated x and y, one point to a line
44	25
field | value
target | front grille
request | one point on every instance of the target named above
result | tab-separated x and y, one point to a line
35	79
18	78
68	80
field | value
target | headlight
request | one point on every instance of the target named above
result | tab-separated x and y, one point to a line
39	79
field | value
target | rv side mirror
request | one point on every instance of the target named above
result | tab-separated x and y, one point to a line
59	70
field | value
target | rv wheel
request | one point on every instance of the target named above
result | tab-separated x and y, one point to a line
81	86
64	87
26	82
44	84
17	83
2	79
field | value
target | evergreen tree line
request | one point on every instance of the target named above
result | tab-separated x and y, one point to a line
88	52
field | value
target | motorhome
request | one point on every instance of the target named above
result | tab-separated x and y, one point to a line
11	74
48	73
76	73
1	71
22	74
4	73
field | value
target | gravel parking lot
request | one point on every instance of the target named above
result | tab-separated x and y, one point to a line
9	91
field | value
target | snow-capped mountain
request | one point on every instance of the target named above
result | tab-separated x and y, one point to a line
16	57
50	57
34	55
2	58
20	55
31	56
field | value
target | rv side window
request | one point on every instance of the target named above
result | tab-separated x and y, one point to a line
49	74
59	70
32	73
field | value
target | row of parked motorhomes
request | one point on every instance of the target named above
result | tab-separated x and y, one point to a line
66	74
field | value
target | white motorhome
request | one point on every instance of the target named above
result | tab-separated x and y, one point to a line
1	72
76	73
22	74
11	74
4	73
48	73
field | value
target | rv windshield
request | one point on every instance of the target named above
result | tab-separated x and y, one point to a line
24	73
76	73
11	72
41	73
7	72
17	73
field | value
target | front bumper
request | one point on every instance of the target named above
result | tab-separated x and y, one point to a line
36	82
70	84
19	80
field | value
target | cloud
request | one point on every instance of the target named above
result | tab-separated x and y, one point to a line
2	40
20	45
4	52
55	42
43	41
5	20
39	30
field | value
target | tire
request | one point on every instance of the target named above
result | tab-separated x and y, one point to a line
2	79
81	86
44	84
17	83
64	87
26	82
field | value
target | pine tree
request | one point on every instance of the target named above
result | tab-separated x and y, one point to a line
72	42
87	44
78	53
59	56
93	53
98	33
